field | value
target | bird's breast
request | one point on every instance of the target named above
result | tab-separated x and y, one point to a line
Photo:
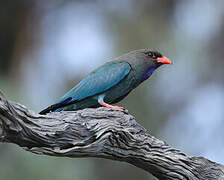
121	90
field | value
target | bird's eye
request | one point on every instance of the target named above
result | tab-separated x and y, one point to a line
149	54
153	54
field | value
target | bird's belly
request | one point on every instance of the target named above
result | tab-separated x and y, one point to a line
90	102
112	95
118	92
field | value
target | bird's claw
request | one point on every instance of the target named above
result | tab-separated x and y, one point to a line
114	107
120	108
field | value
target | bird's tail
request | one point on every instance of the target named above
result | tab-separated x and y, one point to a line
45	111
58	106
51	108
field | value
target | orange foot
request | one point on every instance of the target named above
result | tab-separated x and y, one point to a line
114	107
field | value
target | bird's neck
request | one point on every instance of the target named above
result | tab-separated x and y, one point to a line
149	72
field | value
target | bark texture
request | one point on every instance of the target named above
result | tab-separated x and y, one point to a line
102	133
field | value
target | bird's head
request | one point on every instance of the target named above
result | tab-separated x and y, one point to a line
148	61
146	56
155	58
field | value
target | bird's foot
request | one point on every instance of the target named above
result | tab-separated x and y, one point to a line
115	107
119	108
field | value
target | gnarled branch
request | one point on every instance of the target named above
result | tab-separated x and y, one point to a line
103	133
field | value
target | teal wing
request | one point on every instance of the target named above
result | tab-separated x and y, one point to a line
97	82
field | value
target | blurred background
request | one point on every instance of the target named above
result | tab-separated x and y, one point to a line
46	47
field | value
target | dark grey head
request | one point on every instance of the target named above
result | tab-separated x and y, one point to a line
145	61
148	56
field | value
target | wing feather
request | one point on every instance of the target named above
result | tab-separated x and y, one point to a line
99	81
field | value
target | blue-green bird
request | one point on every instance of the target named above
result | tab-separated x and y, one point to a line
111	82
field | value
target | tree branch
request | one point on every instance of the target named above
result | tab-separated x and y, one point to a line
102	133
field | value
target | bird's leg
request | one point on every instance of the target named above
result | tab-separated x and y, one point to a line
111	106
102	103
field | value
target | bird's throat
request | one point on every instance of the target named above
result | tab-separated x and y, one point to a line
149	72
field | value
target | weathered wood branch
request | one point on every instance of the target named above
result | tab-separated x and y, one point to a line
102	133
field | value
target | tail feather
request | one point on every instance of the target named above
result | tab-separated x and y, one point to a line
50	109
58	106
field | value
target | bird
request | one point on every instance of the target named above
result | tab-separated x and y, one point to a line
111	82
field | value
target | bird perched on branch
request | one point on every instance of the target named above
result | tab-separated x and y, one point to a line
111	82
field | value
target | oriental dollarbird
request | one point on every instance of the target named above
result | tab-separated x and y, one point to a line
111	82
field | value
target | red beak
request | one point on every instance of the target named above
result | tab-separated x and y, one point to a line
164	60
